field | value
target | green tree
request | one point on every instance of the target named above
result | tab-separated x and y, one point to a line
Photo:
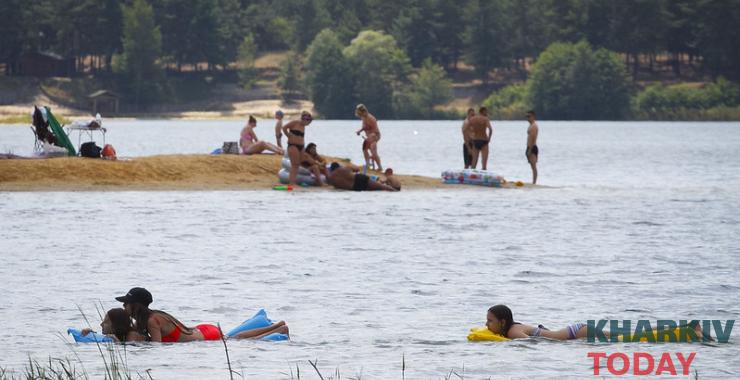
379	66
246	55
575	82
430	87
487	45
718	39
329	76
289	80
142	46
414	31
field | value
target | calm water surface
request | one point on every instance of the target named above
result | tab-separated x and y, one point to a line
639	221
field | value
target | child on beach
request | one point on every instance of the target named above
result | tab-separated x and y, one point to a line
391	180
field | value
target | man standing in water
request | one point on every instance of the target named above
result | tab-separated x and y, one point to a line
467	140
481	130
532	151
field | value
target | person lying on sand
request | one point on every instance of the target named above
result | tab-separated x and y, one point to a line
346	179
391	180
500	320
251	144
158	326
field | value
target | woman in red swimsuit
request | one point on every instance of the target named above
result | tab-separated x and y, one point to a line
162	327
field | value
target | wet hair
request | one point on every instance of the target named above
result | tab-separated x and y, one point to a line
483	110
142	313
120	323
252	120
333	166
309	146
503	313
531	112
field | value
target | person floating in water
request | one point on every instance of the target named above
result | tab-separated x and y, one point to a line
532	151
158	326
346	179
251	144
482	132
372	136
500	320
467	139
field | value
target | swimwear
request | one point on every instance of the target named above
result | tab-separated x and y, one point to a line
247	136
479	144
296	132
573	329
174	336
535	150
299	146
210	332
467	157
361	182
537	330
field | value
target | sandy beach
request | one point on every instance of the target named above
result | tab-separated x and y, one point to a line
171	172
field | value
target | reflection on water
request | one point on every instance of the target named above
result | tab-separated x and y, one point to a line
365	280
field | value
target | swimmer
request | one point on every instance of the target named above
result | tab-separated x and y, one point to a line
499	320
346	179
372	133
117	325
251	144
391	180
158	326
295	130
481	134
532	153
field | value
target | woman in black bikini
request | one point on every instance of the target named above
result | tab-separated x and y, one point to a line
295	130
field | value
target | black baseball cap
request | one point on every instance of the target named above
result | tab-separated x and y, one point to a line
136	295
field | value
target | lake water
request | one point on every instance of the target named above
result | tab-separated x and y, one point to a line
638	221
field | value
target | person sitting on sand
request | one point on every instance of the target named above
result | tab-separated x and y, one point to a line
311	160
296	130
500	320
158	326
251	144
278	127
117	325
346	179
391	180
372	136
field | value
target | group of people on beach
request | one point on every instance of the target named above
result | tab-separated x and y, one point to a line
477	133
136	322
347	176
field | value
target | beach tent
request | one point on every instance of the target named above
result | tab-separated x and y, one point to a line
56	129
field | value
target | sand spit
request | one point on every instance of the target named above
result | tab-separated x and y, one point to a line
173	172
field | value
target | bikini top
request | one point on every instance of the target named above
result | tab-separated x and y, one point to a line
297	132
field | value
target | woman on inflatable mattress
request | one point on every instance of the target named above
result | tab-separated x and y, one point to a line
500	320
158	326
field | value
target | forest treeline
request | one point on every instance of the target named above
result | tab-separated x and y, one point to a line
385	52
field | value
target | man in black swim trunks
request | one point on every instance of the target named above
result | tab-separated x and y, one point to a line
532	151
481	131
346	179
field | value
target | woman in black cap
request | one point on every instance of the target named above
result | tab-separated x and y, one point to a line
159	326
